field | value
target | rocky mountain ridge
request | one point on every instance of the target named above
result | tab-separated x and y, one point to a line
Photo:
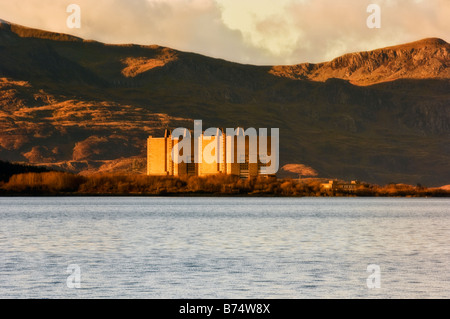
424	59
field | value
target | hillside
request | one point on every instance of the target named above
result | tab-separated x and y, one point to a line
424	59
381	116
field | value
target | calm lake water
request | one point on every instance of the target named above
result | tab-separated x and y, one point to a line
224	247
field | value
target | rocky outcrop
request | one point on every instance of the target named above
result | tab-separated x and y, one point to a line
425	59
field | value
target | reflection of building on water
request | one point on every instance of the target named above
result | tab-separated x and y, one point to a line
228	156
342	186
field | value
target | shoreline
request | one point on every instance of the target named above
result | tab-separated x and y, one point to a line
208	195
45	184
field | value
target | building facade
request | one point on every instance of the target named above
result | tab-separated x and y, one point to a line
238	158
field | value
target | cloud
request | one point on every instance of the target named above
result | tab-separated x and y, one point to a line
246	31
320	30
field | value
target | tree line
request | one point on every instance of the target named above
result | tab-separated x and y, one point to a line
7	170
62	183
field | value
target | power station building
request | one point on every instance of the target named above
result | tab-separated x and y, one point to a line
239	155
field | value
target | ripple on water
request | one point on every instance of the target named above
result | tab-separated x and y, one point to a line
224	247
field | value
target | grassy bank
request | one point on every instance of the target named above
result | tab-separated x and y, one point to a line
59	183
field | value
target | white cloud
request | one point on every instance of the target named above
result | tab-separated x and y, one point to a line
248	31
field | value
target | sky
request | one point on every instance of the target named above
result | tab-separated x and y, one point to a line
261	32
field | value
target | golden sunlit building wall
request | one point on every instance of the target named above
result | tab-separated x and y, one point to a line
227	159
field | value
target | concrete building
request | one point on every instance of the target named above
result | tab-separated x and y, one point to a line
159	158
225	156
